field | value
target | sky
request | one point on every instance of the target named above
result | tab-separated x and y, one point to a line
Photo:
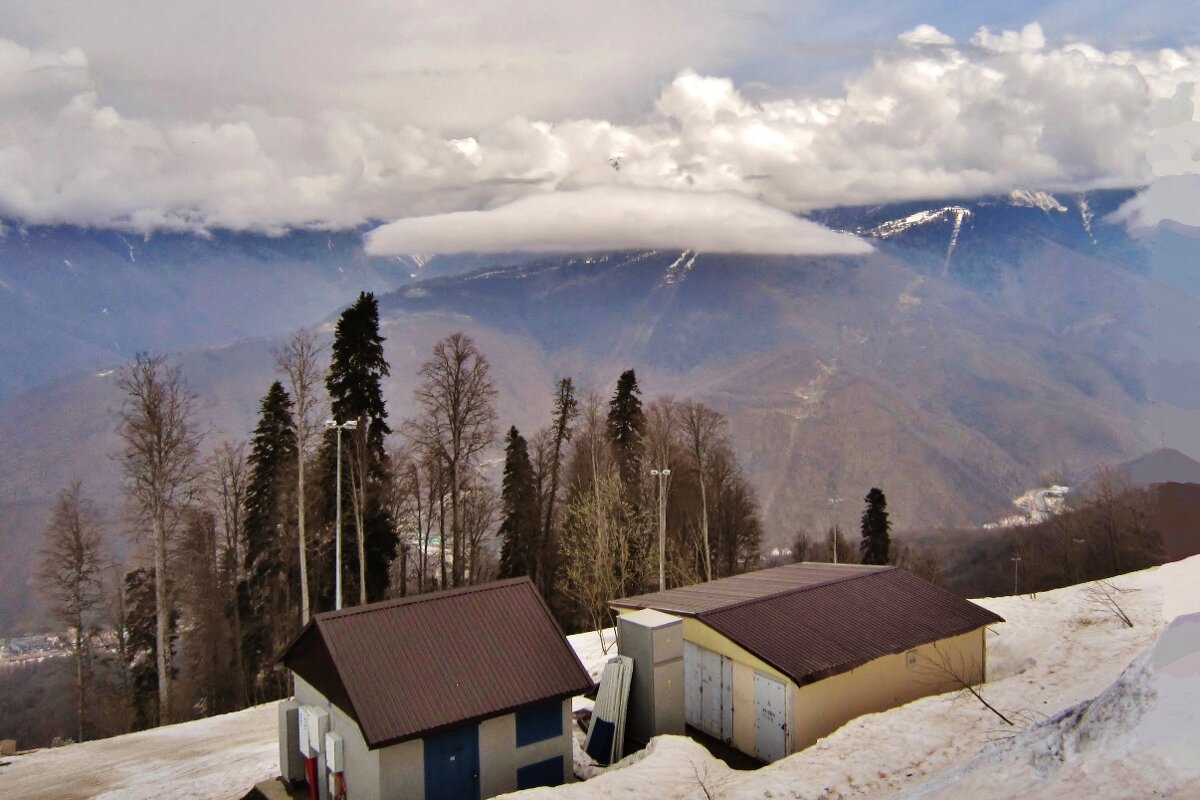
470	123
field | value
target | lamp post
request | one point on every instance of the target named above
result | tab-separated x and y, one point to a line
662	475
833	503
1016	572
349	425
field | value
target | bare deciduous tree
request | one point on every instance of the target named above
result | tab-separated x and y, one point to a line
598	562
1103	595
71	575
359	474
406	510
958	672
299	361
702	431
161	444
457	421
227	476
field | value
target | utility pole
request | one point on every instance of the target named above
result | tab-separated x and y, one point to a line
833	530
1016	572
337	581
662	475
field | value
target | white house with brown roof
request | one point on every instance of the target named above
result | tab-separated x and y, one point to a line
463	694
776	659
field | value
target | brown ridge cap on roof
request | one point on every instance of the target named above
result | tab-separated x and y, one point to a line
425	597
380	605
859	571
798	589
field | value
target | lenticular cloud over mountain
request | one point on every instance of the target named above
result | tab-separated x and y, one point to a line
617	218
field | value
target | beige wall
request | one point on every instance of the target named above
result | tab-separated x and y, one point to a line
499	756
820	708
402	771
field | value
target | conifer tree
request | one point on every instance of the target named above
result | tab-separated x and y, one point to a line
140	628
267	585
626	426
566	407
354	385
875	527
520	550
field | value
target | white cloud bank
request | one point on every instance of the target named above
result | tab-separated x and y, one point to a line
612	218
930	117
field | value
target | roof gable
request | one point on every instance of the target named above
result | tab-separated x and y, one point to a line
411	667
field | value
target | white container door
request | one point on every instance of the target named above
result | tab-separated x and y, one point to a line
708	691
770	718
726	700
691	683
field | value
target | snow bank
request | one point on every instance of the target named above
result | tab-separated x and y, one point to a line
1138	738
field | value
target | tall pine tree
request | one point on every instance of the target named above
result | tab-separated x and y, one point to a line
356	370
270	582
875	526
566	407
626	427
519	531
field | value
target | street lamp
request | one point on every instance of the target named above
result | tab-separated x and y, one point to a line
1016	572
349	425
662	475
833	502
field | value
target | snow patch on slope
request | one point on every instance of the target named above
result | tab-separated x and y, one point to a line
891	228
1031	198
1085	216
680	268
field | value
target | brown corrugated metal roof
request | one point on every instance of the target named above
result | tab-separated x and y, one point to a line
406	668
823	624
721	593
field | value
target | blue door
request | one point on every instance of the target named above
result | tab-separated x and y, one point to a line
452	765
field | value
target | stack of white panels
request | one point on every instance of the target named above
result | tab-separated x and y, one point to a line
606	735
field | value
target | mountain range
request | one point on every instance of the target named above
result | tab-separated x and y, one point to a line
984	343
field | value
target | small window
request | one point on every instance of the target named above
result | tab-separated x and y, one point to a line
539	724
543	773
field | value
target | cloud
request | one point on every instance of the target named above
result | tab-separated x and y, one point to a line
616	218
1174	157
406	128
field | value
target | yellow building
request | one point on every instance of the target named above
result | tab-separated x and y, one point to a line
776	659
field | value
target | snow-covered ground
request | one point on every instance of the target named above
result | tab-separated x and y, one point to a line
1057	650
219	757
1101	711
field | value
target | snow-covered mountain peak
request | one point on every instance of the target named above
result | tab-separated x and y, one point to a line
1031	198
895	226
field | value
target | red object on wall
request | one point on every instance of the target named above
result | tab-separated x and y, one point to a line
310	773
